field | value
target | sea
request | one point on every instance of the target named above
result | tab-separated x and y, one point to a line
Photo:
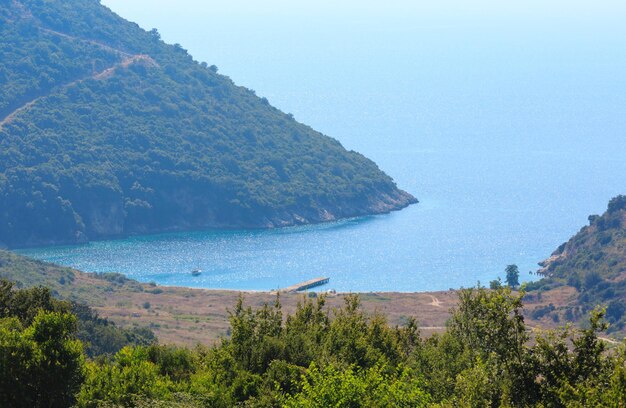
506	121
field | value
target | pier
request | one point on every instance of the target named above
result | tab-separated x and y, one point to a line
306	285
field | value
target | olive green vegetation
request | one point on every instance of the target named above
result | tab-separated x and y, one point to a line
99	336
105	130
28	273
319	358
48	283
594	263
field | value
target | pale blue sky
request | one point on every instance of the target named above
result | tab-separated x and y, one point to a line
529	7
525	73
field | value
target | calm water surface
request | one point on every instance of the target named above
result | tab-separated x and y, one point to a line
509	127
478	216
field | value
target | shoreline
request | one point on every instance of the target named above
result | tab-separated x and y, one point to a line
296	222
189	316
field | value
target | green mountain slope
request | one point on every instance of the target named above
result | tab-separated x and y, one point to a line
592	265
105	130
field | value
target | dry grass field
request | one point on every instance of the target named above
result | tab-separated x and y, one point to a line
190	316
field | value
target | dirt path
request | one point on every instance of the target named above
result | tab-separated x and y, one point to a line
127	59
22	108
107	73
435	302
28	15
610	341
91	42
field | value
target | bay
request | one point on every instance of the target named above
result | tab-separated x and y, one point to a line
508	126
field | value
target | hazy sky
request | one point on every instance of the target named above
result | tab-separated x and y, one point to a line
446	70
491	7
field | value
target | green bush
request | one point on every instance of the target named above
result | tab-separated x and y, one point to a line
317	357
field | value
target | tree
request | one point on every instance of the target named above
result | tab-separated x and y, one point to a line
495	284
128	376
617	203
378	386
490	328
155	34
41	365
512	275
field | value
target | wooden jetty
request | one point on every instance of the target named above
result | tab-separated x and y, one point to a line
306	285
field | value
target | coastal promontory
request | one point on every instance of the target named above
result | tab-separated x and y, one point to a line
106	130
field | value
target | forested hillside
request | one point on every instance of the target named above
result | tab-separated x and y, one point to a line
105	130
588	270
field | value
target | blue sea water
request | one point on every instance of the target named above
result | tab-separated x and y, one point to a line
509	126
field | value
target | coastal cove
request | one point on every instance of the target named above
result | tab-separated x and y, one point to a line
457	235
312	204
510	138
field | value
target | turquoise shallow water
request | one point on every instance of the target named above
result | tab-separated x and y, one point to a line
508	126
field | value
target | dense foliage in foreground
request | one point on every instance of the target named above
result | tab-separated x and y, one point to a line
320	358
98	336
106	130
